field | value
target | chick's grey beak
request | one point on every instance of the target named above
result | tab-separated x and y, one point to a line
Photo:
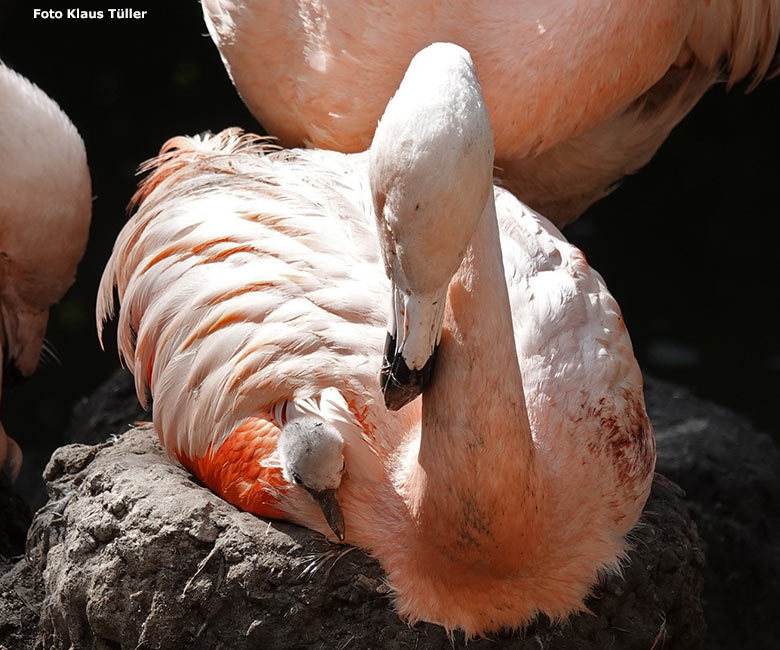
331	509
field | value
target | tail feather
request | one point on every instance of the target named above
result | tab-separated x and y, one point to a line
181	151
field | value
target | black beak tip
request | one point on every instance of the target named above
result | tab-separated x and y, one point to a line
399	395
400	384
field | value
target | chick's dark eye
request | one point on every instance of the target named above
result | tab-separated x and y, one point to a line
297	479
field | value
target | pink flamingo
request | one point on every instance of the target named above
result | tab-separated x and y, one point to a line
579	93
45	210
252	287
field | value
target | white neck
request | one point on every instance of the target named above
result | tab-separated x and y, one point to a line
471	427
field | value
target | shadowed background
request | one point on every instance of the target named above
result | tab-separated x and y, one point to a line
687	246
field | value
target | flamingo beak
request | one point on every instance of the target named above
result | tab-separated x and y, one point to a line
413	333
400	384
331	508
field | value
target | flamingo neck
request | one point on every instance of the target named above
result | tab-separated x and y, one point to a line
476	438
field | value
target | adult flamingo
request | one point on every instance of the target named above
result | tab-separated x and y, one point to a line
45	209
579	93
252	291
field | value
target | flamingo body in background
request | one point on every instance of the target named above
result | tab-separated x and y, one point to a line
579	93
45	210
254	291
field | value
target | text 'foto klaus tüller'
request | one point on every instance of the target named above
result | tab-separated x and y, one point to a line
85	14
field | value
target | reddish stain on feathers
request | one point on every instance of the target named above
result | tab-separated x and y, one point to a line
627	438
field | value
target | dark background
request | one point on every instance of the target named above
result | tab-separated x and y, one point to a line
688	246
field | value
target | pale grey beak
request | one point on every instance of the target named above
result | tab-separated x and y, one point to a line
331	509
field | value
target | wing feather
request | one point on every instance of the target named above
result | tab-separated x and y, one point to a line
235	293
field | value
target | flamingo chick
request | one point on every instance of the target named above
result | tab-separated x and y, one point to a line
45	210
580	93
253	288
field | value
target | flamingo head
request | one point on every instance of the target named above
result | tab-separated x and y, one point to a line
45	210
431	172
311	453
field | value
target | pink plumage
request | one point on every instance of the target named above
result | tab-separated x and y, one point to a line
254	290
580	93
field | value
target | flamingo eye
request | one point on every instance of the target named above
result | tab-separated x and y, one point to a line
298	480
